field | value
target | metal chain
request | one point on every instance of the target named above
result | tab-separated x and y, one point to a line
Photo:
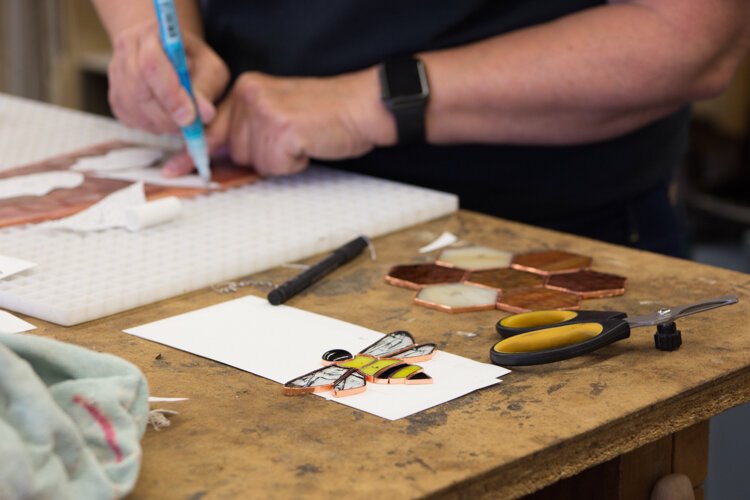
233	286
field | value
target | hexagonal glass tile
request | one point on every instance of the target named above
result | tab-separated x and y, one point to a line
551	262
457	297
536	299
474	258
504	279
588	284
415	276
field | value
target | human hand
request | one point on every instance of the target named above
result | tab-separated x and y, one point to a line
277	124
144	89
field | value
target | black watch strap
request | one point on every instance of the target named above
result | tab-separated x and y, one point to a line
405	93
410	123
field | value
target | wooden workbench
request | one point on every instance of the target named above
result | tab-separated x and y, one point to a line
239	437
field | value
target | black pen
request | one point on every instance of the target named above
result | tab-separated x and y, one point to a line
338	258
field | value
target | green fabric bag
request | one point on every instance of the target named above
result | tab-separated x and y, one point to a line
71	421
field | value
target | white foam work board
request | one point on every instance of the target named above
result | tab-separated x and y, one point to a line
219	237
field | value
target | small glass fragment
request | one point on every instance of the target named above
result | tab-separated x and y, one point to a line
588	284
474	258
551	262
457	297
415	276
536	299
504	279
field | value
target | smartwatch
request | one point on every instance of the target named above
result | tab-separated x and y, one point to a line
404	91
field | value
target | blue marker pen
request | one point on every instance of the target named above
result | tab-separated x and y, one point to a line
171	39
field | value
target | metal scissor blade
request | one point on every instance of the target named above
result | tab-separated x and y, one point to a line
670	314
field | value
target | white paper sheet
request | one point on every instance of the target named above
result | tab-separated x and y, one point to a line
119	159
13	324
153	176
38	184
11	265
252	335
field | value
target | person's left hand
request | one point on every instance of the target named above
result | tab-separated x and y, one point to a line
275	125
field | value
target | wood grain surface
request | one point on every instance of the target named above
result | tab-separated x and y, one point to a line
239	437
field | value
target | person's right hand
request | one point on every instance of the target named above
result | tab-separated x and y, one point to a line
144	89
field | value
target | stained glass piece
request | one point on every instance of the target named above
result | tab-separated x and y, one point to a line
354	383
537	299
504	279
415	276
457	297
474	258
422	352
418	378
336	355
393	342
588	284
358	362
377	366
551	262
319	380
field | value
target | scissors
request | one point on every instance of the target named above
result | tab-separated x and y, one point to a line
540	337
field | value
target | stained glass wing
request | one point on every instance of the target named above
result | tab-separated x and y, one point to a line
351	384
421	351
319	380
391	343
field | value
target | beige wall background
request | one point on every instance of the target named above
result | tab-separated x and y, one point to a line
50	49
46	47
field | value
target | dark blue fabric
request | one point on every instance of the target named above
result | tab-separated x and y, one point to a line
648	222
538	185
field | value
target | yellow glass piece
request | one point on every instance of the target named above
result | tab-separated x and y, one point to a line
550	338
537	318
406	371
378	365
357	362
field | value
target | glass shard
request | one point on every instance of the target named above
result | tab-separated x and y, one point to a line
588	284
536	299
415	276
457	297
551	262
474	258
504	279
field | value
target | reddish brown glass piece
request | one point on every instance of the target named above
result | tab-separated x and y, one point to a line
588	284
551	262
415	276
504	279
536	299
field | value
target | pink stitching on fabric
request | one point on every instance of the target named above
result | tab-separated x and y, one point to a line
104	423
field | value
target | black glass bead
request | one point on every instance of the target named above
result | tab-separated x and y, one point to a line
336	355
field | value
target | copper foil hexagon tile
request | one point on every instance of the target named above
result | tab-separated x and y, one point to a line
474	258
504	279
588	284
551	262
457	297
536	299
415	276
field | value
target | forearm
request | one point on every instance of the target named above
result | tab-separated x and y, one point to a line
590	76
119	15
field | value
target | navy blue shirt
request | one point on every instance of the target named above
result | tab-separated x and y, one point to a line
533	184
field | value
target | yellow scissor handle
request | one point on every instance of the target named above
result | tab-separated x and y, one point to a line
549	338
537	318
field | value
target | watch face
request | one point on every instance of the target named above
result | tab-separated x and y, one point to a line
404	78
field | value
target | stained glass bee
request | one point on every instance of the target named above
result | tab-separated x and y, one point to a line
384	362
